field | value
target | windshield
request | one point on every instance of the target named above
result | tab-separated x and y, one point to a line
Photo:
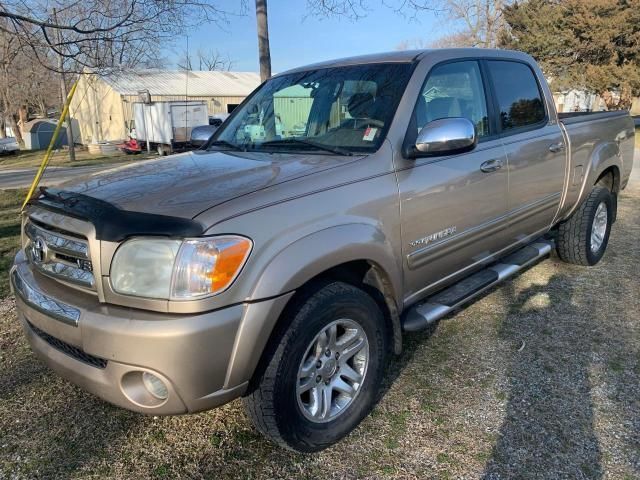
340	110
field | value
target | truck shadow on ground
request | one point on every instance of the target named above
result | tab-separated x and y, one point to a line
549	425
550	412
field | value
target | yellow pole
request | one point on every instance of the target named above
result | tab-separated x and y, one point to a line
47	156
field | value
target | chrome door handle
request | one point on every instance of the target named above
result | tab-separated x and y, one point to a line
492	165
556	147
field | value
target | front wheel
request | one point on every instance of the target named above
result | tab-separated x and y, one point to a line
323	375
584	237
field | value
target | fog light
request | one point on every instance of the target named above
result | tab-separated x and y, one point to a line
155	386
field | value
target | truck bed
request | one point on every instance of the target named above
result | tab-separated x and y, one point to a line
569	118
593	134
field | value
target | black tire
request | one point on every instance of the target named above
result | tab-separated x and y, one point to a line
272	401
163	150
574	235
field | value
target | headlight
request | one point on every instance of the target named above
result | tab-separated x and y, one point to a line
144	267
178	270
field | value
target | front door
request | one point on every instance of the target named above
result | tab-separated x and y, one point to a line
453	208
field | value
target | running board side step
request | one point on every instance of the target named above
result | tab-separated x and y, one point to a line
444	302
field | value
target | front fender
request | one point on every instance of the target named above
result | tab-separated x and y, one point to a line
314	254
292	267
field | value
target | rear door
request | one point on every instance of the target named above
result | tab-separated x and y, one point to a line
453	208
534	146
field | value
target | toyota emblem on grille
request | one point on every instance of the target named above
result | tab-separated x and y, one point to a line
38	250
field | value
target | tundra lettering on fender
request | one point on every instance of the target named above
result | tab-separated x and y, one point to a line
340	205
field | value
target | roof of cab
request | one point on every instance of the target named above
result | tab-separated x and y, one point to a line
408	56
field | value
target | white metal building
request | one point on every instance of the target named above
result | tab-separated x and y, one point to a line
103	104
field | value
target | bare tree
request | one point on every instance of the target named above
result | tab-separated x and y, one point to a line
36	86
480	24
414	44
213	60
25	84
477	23
357	9
9	53
210	60
88	35
103	34
185	61
350	9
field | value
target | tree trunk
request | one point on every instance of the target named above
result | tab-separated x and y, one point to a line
263	40
63	95
69	126
23	115
11	120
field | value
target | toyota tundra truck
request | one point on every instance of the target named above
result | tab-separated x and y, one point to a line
285	268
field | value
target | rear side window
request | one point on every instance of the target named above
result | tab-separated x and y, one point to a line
518	94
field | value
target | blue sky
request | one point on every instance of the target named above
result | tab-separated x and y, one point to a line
297	38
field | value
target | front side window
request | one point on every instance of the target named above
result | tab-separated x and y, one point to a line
518	95
342	109
453	90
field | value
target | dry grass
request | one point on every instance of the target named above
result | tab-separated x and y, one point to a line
60	158
10	202
539	379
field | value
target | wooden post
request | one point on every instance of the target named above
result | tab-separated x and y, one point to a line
263	40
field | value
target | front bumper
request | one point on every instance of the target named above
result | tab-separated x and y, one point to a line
204	359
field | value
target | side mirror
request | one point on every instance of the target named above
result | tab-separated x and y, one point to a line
446	135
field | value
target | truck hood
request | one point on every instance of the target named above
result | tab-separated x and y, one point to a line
187	184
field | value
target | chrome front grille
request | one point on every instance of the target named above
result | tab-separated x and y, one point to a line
58	254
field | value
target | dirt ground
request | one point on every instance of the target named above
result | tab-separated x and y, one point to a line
539	379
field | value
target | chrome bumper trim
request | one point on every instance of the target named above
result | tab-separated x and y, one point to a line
44	304
66	273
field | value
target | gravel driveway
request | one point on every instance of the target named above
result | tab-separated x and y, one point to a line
538	379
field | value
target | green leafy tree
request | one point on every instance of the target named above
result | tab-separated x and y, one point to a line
591	45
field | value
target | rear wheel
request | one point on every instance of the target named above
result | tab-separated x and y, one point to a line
322	373
163	150
583	238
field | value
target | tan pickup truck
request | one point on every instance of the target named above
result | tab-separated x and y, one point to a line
340	206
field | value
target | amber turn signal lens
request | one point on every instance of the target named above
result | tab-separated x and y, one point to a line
206	266
228	263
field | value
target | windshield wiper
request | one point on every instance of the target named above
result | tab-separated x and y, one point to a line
311	143
225	143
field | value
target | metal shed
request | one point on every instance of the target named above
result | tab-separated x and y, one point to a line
38	133
103	104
